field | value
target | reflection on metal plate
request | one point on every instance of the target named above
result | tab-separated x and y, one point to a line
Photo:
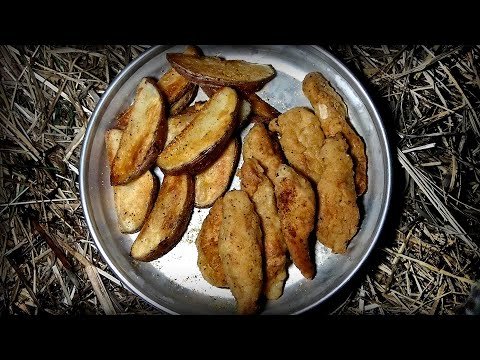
174	283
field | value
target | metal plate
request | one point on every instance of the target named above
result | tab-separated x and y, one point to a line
173	283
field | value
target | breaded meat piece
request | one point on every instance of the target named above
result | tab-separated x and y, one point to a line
208	260
259	145
296	207
338	211
332	112
260	189
301	138
240	249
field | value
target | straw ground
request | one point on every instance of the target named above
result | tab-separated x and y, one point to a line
427	261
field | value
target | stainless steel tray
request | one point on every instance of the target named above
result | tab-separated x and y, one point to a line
173	283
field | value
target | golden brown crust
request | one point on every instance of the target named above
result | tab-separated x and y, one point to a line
144	136
213	182
133	201
296	207
176	124
338	215
301	138
332	112
261	111
258	144
261	108
168	219
240	249
260	189
245	107
123	119
172	84
181	104
204	138
209	261
210	70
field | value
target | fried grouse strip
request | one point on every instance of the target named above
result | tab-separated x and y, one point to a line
261	191
332	112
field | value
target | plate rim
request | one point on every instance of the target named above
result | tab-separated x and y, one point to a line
133	66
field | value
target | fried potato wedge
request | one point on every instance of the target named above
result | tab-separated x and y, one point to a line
332	112
133	201
243	112
210	70
213	182
296	206
258	144
168	219
201	142
338	214
181	104
301	138
177	123
198	105
172	84
262	111
240	249
124	118
208	260
260	189
144	136
259	107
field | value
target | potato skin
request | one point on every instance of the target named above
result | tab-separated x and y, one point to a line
133	201
167	221
134	157
213	182
173	85
221	123
210	70
178	106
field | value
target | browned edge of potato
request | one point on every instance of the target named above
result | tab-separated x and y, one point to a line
211	70
244	110
123	119
172	84
177	123
168	219
133	201
260	110
181	104
213	182
202	141
208	259
196	106
144	136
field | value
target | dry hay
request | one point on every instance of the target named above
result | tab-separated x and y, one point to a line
426	262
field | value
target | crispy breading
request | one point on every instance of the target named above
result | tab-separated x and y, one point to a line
260	189
338	215
259	145
301	138
240	249
208	260
332	112
296	207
